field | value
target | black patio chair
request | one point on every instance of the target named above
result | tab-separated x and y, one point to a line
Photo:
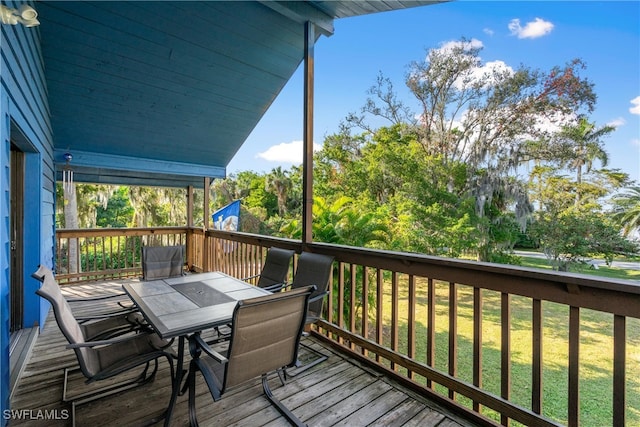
162	262
100	359
265	336
312	269
99	324
275	269
272	278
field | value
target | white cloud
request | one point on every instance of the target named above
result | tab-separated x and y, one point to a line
636	105
471	44
286	152
488	31
617	122
635	142
532	30
482	73
486	72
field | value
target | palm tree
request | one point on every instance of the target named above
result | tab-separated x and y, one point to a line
341	222
279	182
587	144
626	211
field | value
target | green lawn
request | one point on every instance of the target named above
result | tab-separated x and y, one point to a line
603	271
596	353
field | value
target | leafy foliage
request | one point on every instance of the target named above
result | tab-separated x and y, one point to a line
491	151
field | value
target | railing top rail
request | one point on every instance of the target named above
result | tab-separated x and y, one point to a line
616	296
442	268
91	232
621	297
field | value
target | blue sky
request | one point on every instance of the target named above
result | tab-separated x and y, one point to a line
537	34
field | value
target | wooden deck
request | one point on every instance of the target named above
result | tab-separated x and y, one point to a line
336	392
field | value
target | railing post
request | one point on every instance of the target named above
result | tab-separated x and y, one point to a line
619	368
206	260
189	235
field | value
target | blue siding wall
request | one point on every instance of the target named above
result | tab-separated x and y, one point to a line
4	256
25	118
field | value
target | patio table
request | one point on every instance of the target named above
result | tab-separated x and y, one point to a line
180	306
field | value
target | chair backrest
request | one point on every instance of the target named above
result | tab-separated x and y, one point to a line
161	262
313	269
50	290
265	334
276	267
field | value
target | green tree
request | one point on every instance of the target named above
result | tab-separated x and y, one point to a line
157	206
483	117
569	233
571	236
279	182
626	210
340	222
118	212
584	146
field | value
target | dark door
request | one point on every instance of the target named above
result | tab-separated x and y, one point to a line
16	292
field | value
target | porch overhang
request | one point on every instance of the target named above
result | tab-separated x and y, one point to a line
165	93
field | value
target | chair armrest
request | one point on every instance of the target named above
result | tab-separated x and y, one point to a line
106	315
318	297
98	298
208	350
250	277
276	287
102	342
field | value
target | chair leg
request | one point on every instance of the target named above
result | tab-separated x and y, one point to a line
144	378
279	406
82	398
292	372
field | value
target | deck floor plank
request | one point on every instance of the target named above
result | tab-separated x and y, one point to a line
338	392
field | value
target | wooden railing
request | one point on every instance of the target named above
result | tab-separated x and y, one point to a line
97	254
448	327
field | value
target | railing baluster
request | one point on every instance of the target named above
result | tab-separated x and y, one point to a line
536	357
341	267
431	326
110	244
95	253
619	368
505	351
453	333
330	299
411	327
119	252
365	306
84	245
352	299
477	342
379	309
574	367
104	253
394	314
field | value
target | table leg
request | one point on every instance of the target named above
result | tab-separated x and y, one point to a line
175	389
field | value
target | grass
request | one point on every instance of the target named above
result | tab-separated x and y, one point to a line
596	344
602	271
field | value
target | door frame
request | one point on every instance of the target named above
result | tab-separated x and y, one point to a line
32	227
16	220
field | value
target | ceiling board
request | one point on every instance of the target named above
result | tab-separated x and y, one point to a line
177	82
